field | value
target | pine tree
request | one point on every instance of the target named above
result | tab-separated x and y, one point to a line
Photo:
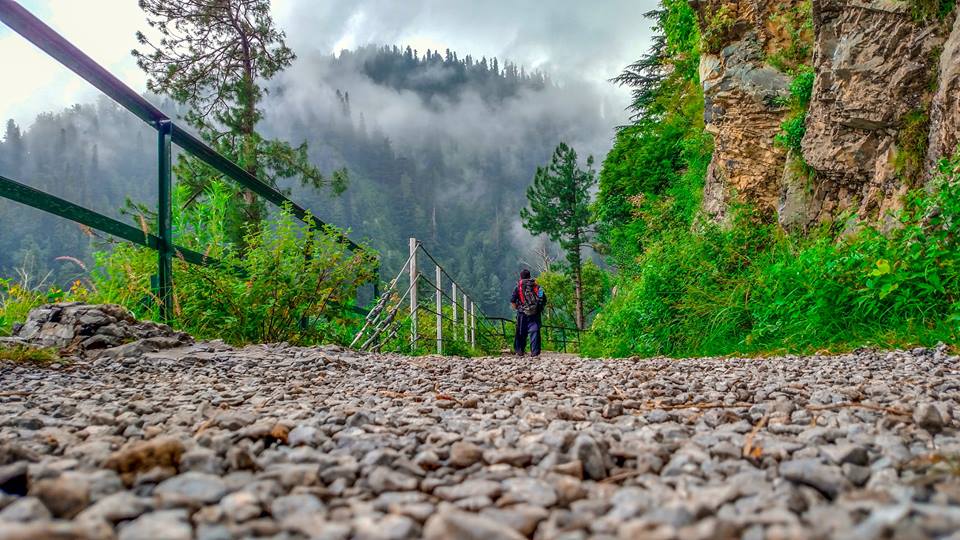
13	149
560	208
214	57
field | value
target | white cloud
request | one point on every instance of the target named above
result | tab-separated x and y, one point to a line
569	38
574	41
103	29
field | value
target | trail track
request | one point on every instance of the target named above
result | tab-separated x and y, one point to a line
211	442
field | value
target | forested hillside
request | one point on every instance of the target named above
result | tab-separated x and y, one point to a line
95	155
780	189
436	146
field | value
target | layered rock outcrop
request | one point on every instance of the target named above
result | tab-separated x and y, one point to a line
945	109
873	65
880	74
741	97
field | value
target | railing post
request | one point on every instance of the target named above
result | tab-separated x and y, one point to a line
563	336
413	294
466	337
164	220
453	286
439	285
473	326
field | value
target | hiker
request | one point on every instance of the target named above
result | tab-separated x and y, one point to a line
528	301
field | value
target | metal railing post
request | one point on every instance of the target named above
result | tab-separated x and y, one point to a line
165	219
413	294
473	326
439	284
453	286
466	337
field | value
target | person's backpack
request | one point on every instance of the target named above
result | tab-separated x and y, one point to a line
529	297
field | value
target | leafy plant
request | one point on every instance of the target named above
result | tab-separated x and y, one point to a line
797	22
931	10
793	127
288	274
912	146
750	288
295	282
719	23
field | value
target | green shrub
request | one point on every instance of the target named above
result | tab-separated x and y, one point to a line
931	10
912	146
801	87
292	282
798	23
791	133
750	288
719	23
793	127
288	273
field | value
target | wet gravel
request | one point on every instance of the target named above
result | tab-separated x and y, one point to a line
209	442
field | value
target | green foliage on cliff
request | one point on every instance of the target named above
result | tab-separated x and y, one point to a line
931	10
657	164
750	288
797	23
912	146
719	23
688	287
794	125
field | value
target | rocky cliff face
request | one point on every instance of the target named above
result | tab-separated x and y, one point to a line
740	92
885	106
945	109
873	66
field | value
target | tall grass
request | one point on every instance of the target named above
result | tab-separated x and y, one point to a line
750	288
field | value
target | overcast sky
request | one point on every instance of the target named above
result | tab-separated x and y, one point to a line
575	41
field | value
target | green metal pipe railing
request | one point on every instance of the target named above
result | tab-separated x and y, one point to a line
15	191
168	132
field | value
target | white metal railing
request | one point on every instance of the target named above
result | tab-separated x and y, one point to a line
393	311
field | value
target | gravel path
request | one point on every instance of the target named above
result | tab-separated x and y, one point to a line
210	442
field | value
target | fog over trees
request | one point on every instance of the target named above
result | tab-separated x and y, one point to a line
437	144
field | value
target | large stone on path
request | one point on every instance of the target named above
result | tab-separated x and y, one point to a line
457	525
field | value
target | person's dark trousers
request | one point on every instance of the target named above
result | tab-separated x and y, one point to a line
527	326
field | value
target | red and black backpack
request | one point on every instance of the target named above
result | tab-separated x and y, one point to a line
529	296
